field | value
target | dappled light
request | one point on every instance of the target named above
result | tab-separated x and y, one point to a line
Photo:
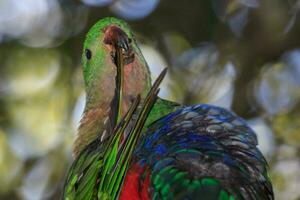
243	55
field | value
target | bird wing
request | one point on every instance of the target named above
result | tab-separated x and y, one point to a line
99	170
198	152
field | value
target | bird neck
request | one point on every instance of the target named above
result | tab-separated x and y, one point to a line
96	117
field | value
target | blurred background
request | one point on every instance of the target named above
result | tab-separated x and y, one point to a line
240	54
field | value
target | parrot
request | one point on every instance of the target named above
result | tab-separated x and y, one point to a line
133	145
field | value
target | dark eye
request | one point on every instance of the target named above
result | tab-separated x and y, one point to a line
88	54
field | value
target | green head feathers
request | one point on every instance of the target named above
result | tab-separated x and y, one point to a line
94	51
99	69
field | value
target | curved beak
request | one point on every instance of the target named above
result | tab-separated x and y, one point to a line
115	36
118	39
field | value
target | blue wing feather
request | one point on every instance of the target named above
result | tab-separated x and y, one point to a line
206	142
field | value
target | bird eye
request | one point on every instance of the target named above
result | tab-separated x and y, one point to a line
88	54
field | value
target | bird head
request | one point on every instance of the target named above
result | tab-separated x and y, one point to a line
99	63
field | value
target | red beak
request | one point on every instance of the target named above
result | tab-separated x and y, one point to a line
116	37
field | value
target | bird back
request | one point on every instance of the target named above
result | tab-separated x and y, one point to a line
198	152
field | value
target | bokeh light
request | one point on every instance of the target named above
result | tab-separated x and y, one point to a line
134	9
241	54
208	78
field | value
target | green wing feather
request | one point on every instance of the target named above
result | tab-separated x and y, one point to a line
119	84
121	154
99	170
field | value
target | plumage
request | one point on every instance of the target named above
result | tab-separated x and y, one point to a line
154	148
201	150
